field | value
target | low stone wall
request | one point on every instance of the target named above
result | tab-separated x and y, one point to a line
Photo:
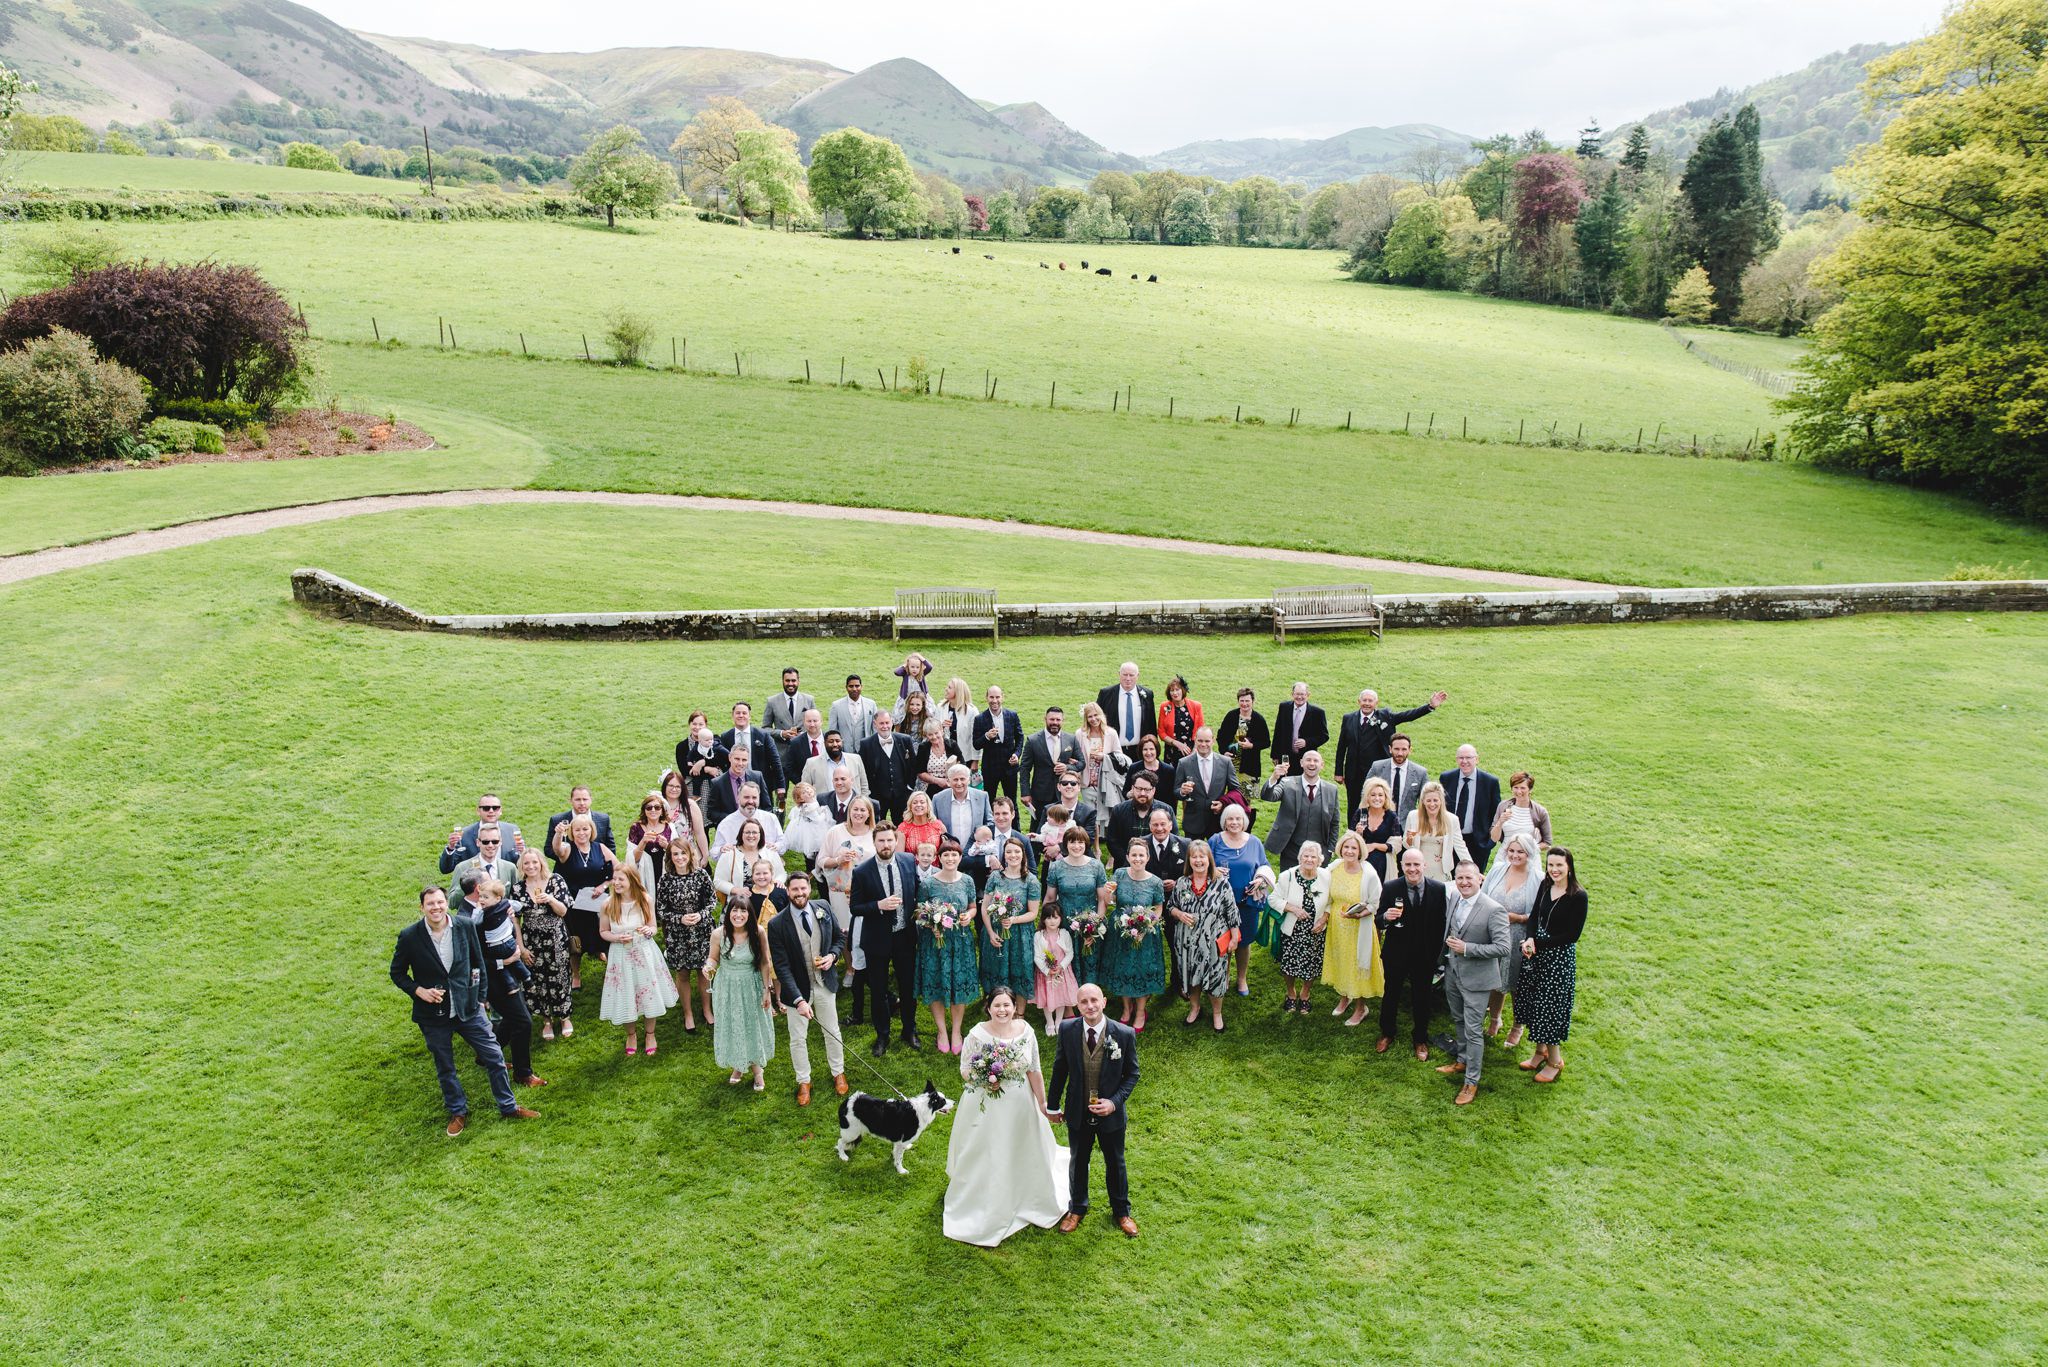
337	597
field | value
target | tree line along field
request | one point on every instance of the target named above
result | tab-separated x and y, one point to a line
1787	1083
1225	329
98	171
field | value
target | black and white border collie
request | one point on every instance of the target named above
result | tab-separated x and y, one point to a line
900	1122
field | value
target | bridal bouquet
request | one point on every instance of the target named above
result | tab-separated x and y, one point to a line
1089	928
990	1069
999	907
1139	922
938	917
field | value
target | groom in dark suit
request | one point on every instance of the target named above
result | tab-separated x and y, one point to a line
1093	1073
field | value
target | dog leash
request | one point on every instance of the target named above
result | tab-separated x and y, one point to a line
844	1052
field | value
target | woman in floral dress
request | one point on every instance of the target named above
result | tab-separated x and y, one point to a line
1202	911
684	908
542	899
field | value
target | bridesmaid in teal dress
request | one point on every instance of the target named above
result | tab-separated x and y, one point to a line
1135	971
1078	885
947	977
1009	964
743	1032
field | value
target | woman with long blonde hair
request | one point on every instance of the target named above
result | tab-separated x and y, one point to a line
636	982
955	712
1101	760
1433	830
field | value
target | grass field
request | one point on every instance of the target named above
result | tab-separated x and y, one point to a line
1748	348
62	510
98	171
1268	330
1792	1074
583	559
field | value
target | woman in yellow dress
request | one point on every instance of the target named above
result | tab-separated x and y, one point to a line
1352	965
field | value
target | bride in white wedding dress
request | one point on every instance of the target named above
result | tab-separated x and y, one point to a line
1005	1170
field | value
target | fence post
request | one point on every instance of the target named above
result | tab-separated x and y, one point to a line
586	346
671	350
1521	429
1406	418
807	370
894	371
1052	399
1347	420
1169	405
881	381
686	353
1464	428
1639	439
1115	396
444	330
1582	434
522	344
451	338
992	388
942	382
1430	431
1240	414
374	334
736	365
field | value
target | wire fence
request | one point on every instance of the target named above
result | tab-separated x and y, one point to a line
702	356
1777	381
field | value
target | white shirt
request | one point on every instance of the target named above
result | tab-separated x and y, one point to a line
444	944
771	828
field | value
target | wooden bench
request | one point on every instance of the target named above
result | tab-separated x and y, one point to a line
945	610
1325	607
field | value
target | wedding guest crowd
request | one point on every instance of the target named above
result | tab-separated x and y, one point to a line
837	868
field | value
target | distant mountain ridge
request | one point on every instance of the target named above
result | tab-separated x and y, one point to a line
1313	161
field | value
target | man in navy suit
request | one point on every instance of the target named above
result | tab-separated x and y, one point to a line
462	843
882	899
579	805
439	963
1001	742
1472	796
1128	708
1094	1070
1367	737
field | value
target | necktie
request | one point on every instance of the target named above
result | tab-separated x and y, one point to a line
1091	1039
1397	787
1299	713
810	929
1465	786
1311	794
1130	717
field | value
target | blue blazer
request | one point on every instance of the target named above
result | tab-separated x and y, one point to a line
415	964
875	928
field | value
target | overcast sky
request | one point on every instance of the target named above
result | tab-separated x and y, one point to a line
1145	75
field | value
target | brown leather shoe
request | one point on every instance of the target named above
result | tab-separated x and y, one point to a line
1450	1068
1381	1047
803	1094
520	1113
839	1084
1530	1065
456	1124
1128	1226
1422	1052
1465	1094
533	1080
1069	1222
1554	1071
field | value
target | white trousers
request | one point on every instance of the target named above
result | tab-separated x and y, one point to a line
825	1010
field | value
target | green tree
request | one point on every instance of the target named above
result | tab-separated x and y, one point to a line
309	156
1005	219
867	179
1098	221
1589	142
1319	217
1692	299
945	207
1734	215
1934	366
1601	231
1156	192
766	171
616	171
1416	245
1254	209
1188	220
50	133
709	145
1119	187
1636	156
1051	209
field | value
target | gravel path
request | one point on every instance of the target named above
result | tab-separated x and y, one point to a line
34	564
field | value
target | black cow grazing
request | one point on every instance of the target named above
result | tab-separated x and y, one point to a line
1134	275
1084	265
1104	271
956	251
1150	279
1042	266
988	256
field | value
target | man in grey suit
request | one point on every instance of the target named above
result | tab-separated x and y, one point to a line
783	713
853	716
462	842
1201	780
1475	964
960	809
488	861
1403	775
1308	808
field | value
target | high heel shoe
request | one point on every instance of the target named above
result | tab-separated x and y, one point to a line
1555	1072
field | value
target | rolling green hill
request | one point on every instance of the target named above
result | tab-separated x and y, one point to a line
1813	121
943	130
99	171
1313	161
662	87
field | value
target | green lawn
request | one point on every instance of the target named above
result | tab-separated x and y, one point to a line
1748	348
586	559
1612	516
65	509
1268	330
99	171
1800	1121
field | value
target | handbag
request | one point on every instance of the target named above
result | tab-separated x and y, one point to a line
1228	941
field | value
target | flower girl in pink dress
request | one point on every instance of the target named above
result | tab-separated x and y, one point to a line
1052	951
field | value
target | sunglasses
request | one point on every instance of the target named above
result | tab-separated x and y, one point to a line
489	807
